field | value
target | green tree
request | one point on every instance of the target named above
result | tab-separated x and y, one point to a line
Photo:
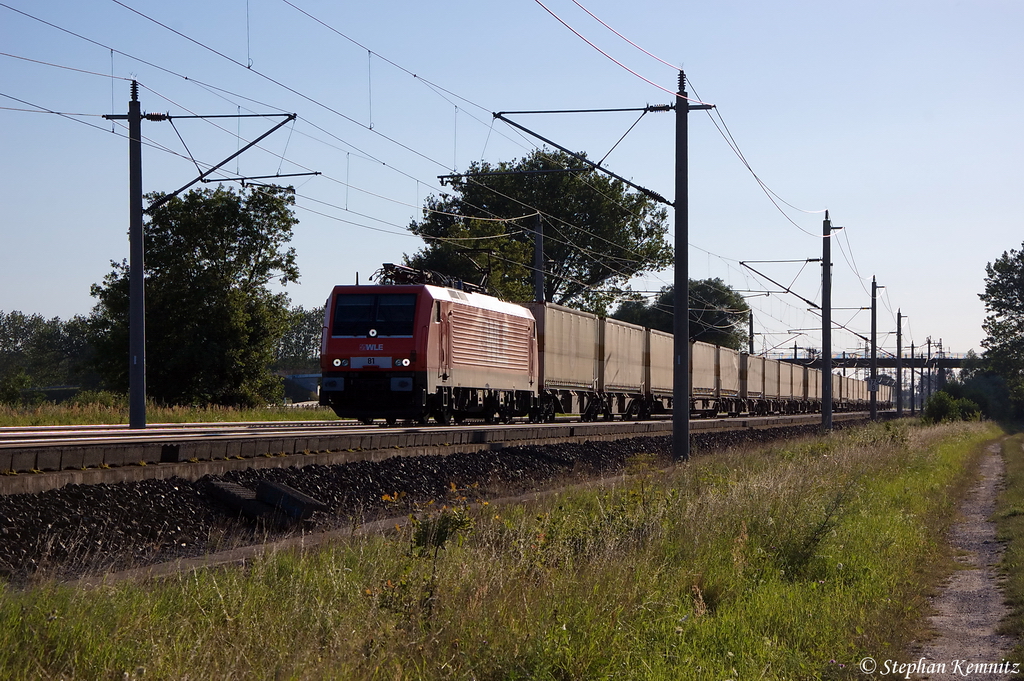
299	347
718	314
1004	323
13	385
981	387
212	323
44	353
597	235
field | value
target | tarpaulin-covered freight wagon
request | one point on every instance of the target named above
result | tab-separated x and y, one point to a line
623	348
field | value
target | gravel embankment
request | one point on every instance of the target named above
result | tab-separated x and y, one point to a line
80	529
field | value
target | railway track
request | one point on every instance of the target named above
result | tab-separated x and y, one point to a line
18	436
168	512
40	458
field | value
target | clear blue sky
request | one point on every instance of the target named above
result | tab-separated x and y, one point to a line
901	118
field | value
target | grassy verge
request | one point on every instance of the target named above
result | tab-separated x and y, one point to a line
791	562
1010	527
112	412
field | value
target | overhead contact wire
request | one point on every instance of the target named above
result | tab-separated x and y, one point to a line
613	59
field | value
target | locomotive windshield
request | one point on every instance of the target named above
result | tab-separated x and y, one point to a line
389	314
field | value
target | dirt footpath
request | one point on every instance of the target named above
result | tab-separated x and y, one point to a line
970	605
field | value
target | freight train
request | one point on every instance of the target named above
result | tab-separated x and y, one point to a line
413	352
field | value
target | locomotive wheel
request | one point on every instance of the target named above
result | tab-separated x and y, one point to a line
443	418
390	421
366	422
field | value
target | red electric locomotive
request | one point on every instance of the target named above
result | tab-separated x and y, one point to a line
416	351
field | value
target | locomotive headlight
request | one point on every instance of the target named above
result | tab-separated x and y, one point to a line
336	362
373	333
402	362
344	362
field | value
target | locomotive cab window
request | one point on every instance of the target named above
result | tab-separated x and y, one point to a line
389	314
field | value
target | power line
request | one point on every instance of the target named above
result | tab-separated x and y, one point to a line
728	137
281	156
671	66
613	59
211	87
280	84
66	68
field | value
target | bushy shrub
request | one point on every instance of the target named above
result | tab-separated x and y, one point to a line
943	407
13	386
969	410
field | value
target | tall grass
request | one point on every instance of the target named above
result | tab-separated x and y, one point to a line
114	410
1009	518
791	562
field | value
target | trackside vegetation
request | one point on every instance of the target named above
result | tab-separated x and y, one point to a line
1009	519
792	561
106	408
